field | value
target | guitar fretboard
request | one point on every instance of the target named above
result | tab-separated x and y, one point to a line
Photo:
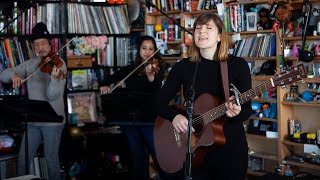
220	110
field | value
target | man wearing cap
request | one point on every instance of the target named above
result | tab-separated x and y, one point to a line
45	87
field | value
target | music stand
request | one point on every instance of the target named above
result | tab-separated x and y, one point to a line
30	111
119	107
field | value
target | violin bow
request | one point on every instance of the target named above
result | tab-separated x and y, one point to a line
144	62
46	61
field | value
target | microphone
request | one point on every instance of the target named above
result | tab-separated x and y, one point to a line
148	3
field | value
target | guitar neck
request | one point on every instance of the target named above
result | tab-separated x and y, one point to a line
244	97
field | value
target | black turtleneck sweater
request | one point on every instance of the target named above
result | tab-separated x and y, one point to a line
208	80
139	95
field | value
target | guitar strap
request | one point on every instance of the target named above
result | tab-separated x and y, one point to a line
225	79
217	125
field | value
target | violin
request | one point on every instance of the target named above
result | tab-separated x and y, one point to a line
154	66
139	66
48	62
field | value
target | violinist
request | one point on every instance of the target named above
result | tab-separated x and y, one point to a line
43	85
147	79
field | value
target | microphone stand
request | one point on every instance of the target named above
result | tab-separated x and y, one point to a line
150	4
188	101
189	109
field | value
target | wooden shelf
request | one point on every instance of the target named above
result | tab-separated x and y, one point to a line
137	30
260	58
298	38
303	164
312	80
174	42
264	155
184	12
264	100
248	2
200	11
310	104
171	57
260	137
251	32
264	119
167	12
256	173
287	142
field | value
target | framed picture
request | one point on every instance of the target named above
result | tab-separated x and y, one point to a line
83	105
251	21
251	65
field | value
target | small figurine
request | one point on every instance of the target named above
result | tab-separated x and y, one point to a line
265	22
295	51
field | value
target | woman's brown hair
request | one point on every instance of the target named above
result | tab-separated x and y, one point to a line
221	53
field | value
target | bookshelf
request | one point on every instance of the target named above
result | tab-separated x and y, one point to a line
275	150
102	22
66	20
256	47
305	113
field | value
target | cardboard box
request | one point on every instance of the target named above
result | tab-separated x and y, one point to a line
79	61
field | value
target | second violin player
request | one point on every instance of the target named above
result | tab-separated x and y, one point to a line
42	86
144	81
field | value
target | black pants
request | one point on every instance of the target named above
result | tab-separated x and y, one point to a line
229	162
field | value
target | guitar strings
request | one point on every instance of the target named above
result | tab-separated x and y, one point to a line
206	117
220	110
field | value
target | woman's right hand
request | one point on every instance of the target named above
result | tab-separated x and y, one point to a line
104	89
16	81
180	124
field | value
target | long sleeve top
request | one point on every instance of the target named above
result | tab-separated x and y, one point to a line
138	84
40	86
208	80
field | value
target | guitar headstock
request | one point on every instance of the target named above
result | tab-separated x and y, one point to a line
287	77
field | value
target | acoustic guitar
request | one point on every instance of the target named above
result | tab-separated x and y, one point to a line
171	146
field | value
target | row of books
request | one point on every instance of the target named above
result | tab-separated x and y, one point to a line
235	18
262	46
183	5
49	13
89	19
14	51
84	79
108	57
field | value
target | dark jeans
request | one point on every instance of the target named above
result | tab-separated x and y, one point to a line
141	145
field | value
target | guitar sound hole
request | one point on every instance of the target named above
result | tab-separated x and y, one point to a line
198	123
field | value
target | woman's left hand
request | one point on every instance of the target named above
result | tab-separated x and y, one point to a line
232	108
149	68
149	72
